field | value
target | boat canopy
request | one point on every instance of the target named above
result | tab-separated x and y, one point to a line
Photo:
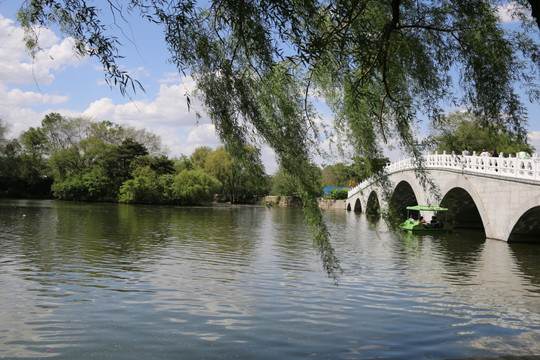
426	208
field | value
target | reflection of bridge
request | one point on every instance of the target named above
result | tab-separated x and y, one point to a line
499	194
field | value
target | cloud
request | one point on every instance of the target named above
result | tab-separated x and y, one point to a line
511	12
534	139
16	64
169	108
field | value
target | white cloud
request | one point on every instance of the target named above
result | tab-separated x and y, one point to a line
17	66
169	108
534	139
510	13
16	97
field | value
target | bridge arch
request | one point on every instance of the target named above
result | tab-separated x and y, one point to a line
373	205
403	195
527	224
501	196
463	209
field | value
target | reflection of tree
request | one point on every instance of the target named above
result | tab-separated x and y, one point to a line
459	252
99	239
526	256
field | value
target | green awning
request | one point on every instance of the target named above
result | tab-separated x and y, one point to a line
426	208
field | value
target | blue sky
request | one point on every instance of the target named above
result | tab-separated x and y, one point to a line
60	82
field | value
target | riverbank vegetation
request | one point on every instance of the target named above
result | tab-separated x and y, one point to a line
77	159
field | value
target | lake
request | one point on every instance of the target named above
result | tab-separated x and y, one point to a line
110	281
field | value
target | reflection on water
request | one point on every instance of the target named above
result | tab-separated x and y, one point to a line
111	281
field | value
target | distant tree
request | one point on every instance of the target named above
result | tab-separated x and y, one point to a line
118	160
338	175
192	187
364	168
199	156
462	129
183	163
242	178
34	142
338	194
284	184
115	134
3	133
160	164
143	188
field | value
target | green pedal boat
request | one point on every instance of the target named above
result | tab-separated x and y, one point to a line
427	219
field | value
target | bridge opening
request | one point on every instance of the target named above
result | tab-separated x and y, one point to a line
462	209
402	197
527	229
357	206
372	207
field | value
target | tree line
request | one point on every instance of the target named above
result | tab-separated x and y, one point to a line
78	159
82	160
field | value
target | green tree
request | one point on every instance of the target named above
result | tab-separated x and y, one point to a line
34	142
193	187
3	134
377	64
338	194
364	168
338	175
242	178
283	184
119	159
143	188
461	129
199	156
183	163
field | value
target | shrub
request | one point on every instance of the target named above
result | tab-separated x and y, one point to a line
338	194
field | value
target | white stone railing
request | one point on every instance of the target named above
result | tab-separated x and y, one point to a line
504	167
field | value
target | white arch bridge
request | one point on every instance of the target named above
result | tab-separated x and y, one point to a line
500	195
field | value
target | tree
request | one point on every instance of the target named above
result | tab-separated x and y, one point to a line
242	178
338	175
115	134
143	188
377	63
284	184
34	142
3	133
191	187
461	129
199	156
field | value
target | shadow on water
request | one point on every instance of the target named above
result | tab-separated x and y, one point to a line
527	258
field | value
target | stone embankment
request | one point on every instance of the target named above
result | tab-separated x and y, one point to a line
327	204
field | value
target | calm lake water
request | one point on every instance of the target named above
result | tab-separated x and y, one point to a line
95	281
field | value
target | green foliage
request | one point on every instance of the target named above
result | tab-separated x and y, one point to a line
143	188
183	163
283	184
339	175
3	132
192	187
242	177
34	142
460	130
338	194
364	168
199	156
